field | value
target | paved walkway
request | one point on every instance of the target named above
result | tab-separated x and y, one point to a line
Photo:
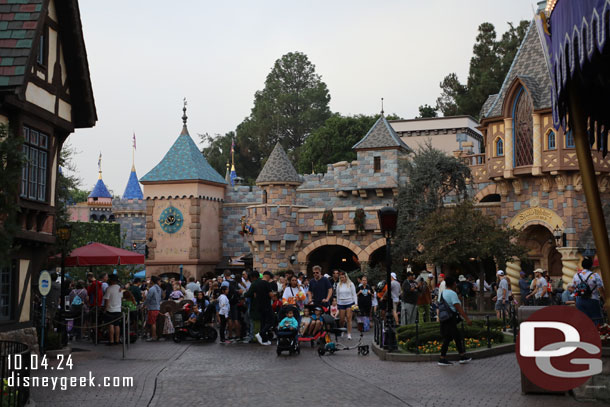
243	374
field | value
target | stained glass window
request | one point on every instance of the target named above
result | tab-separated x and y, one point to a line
551	140
569	139
523	129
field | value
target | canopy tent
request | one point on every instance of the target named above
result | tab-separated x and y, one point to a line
98	254
140	274
575	35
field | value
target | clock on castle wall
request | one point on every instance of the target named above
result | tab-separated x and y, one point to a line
171	220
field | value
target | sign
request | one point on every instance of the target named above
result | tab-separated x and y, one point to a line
44	283
541	215
558	348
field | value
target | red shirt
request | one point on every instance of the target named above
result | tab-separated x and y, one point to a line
91	293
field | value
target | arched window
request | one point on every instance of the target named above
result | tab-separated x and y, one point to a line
569	139
93	218
523	141
499	147
264	196
551	140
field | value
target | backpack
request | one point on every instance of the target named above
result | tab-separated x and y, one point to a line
233	293
77	304
583	289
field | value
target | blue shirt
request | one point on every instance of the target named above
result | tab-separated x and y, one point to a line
153	298
451	298
319	289
289	323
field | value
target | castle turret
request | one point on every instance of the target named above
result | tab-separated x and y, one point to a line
99	200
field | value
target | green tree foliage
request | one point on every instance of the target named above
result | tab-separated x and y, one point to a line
427	111
454	235
217	150
67	189
11	162
433	179
489	65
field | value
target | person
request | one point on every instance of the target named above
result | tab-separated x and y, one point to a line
486	286
136	291
79	306
365	296
94	291
316	322
289	322
320	289
425	298
524	287
177	294
501	295
234	296
112	297
192	313
223	312
540	289
305	320
293	295
410	292
346	299
334	309
589	290
449	327
334	281
568	297
260	308
153	305
395	295
193	285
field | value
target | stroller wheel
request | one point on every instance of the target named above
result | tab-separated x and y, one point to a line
365	350
321	351
177	338
312	344
298	350
279	352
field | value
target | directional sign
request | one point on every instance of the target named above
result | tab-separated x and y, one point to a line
44	283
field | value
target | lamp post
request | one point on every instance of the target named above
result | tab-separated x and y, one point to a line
63	234
388	218
558	235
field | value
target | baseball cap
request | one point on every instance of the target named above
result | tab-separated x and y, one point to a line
522	273
538	271
393	275
430	275
500	273
462	278
442	275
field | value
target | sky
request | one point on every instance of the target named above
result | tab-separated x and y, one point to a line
146	56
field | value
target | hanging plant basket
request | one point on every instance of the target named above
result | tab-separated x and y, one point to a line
328	218
359	220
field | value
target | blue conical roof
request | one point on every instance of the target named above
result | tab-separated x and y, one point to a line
183	161
100	190
133	190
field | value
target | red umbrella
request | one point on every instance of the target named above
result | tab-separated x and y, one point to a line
98	254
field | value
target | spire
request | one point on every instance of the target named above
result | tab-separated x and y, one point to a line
184	117
99	166
278	169
233	174
133	190
133	154
382	106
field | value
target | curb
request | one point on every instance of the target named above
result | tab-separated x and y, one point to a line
475	354
63	351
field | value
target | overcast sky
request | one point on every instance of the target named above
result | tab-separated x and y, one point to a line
145	56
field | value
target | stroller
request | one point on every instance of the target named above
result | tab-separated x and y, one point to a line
200	330
326	344
288	340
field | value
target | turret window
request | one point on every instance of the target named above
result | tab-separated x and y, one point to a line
499	147
377	164
551	140
569	139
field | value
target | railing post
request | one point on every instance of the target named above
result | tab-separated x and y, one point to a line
488	332
123	318
417	333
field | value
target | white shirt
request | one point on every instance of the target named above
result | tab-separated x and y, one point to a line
223	303
593	282
346	293
113	298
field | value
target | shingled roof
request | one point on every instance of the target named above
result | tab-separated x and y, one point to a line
530	68
133	190
183	162
100	190
381	135
21	24
278	169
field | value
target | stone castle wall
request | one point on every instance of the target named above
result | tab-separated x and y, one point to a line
131	215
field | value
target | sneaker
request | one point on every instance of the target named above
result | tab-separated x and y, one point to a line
150	339
259	338
444	362
266	343
227	341
161	339
349	337
465	359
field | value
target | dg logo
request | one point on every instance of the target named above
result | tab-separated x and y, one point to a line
558	348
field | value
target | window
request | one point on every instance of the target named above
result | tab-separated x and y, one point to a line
523	135
34	172
499	148
551	140
264	197
6	291
377	164
40	56
569	139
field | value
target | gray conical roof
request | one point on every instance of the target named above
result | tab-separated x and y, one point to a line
278	169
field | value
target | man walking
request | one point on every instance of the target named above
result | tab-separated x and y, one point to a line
193	285
153	305
501	295
395	295
410	292
113	296
449	327
424	300
320	289
260	292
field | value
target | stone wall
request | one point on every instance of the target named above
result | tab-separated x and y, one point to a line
237	199
27	336
131	215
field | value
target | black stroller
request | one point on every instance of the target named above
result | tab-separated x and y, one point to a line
200	330
288	340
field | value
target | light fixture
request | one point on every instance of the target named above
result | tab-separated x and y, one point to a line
64	232
344	260
557	234
388	217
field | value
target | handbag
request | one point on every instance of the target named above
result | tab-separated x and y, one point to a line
444	311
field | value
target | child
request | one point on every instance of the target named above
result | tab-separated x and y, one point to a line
305	321
289	323
334	309
223	313
276	304
316	322
192	313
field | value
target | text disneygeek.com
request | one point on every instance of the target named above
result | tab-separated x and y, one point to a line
64	383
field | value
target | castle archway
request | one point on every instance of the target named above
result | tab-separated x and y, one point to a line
329	252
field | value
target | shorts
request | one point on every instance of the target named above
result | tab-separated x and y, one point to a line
151	319
500	306
234	312
114	318
342	307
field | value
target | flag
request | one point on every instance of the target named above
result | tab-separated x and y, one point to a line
134	140
99	162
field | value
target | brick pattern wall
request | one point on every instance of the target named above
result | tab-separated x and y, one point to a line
131	215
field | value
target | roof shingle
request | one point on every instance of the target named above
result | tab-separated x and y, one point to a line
278	169
381	135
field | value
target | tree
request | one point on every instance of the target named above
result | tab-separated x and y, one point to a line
67	189
489	65
218	150
11	162
427	111
433	179
292	105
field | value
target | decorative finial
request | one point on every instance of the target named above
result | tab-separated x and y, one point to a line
184	116
99	165
382	106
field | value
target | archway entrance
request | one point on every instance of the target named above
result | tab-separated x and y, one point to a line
331	257
542	251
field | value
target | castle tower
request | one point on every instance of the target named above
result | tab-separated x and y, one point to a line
184	196
99	200
274	221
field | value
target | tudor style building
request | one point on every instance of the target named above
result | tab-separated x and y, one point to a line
45	94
